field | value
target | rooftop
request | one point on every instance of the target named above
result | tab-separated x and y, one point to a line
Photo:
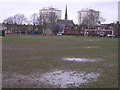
65	22
88	9
49	8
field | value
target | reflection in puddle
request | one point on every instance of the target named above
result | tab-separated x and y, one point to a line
81	59
66	79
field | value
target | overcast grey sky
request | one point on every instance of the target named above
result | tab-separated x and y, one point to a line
107	8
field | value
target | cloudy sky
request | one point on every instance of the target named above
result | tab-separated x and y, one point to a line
108	8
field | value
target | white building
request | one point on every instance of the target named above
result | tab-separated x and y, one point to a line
119	11
84	12
2	27
48	11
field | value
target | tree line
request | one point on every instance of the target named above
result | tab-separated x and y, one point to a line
36	22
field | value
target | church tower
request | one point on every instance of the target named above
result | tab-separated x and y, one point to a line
66	16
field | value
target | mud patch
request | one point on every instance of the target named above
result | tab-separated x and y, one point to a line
16	80
81	59
65	79
55	78
19	49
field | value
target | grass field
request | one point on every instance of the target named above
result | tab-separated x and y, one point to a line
28	55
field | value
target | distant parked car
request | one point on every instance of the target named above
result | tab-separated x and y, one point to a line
59	34
109	35
102	35
116	36
33	33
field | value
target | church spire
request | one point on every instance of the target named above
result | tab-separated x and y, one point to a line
66	16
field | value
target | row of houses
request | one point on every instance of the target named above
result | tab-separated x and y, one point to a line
99	30
64	27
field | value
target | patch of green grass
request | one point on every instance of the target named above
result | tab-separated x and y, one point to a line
40	54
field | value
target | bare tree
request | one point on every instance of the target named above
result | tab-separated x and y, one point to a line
44	21
102	19
9	23
52	18
20	19
9	20
15	23
34	19
91	19
48	20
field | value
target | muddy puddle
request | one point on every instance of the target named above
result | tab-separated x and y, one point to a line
91	47
64	79
81	59
56	78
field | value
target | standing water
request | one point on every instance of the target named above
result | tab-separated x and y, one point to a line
81	59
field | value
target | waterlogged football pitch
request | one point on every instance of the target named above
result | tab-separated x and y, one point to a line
59	62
